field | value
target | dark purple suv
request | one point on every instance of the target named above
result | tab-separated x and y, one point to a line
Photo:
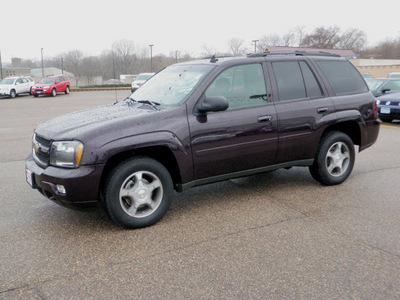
205	121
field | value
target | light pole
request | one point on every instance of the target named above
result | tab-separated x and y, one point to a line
41	50
151	57
255	45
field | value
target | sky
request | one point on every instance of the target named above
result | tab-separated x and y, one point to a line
176	25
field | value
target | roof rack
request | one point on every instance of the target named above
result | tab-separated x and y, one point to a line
294	53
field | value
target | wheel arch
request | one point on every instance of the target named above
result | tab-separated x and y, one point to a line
163	154
351	128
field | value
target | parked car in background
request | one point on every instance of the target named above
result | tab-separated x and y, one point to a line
51	85
389	107
381	86
15	85
394	75
140	79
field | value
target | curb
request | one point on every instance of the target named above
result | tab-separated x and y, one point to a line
99	89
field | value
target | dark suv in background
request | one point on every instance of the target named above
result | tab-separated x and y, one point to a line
205	121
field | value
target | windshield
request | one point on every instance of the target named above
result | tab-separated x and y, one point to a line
374	84
172	85
47	80
7	81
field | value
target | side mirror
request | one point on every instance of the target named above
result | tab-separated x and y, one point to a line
212	104
17	83
384	91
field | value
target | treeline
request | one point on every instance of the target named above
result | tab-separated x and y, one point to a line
125	57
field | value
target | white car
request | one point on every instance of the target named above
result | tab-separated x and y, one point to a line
140	79
15	85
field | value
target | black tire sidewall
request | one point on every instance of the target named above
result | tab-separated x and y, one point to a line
318	169
114	183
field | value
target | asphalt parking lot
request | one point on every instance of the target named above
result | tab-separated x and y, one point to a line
278	235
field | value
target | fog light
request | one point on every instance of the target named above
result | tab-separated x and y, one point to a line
61	189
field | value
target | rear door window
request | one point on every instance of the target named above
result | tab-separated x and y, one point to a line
295	80
343	77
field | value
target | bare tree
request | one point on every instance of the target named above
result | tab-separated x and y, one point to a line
124	54
388	49
322	37
269	40
209	50
353	39
72	62
236	47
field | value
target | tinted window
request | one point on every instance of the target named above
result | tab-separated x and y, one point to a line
313	89
343	77
242	86
289	80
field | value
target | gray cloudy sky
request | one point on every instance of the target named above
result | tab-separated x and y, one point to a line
184	25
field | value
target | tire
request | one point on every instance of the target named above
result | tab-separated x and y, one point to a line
13	94
137	192
30	91
35	95
334	160
53	92
66	90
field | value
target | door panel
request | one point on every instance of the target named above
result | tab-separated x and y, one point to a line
241	138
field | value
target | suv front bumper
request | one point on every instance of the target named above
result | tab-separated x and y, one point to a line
80	187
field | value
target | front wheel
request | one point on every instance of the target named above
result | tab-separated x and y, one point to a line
13	94
137	192
53	93
334	160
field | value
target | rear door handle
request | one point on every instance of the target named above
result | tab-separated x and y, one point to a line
264	119
322	110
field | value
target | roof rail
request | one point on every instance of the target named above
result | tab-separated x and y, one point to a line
294	53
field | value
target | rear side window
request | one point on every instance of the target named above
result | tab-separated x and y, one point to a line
295	80
343	77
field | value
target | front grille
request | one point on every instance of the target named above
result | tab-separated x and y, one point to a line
41	150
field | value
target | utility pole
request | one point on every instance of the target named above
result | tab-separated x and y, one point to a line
255	45
151	57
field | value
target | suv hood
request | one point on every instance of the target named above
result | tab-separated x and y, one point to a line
94	121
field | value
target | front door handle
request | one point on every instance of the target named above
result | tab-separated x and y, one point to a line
264	119
322	110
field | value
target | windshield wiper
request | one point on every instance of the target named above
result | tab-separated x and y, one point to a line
153	104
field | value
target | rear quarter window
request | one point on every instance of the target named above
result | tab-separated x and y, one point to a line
343	77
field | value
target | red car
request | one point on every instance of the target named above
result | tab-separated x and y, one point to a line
51	85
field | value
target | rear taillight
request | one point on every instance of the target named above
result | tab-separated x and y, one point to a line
375	109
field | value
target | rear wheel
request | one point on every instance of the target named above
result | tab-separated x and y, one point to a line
67	90
137	192
334	160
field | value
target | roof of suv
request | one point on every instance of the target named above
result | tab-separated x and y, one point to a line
221	59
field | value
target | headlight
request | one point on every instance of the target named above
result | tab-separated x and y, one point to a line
66	154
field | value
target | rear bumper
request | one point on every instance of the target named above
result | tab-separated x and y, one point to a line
370	135
81	185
